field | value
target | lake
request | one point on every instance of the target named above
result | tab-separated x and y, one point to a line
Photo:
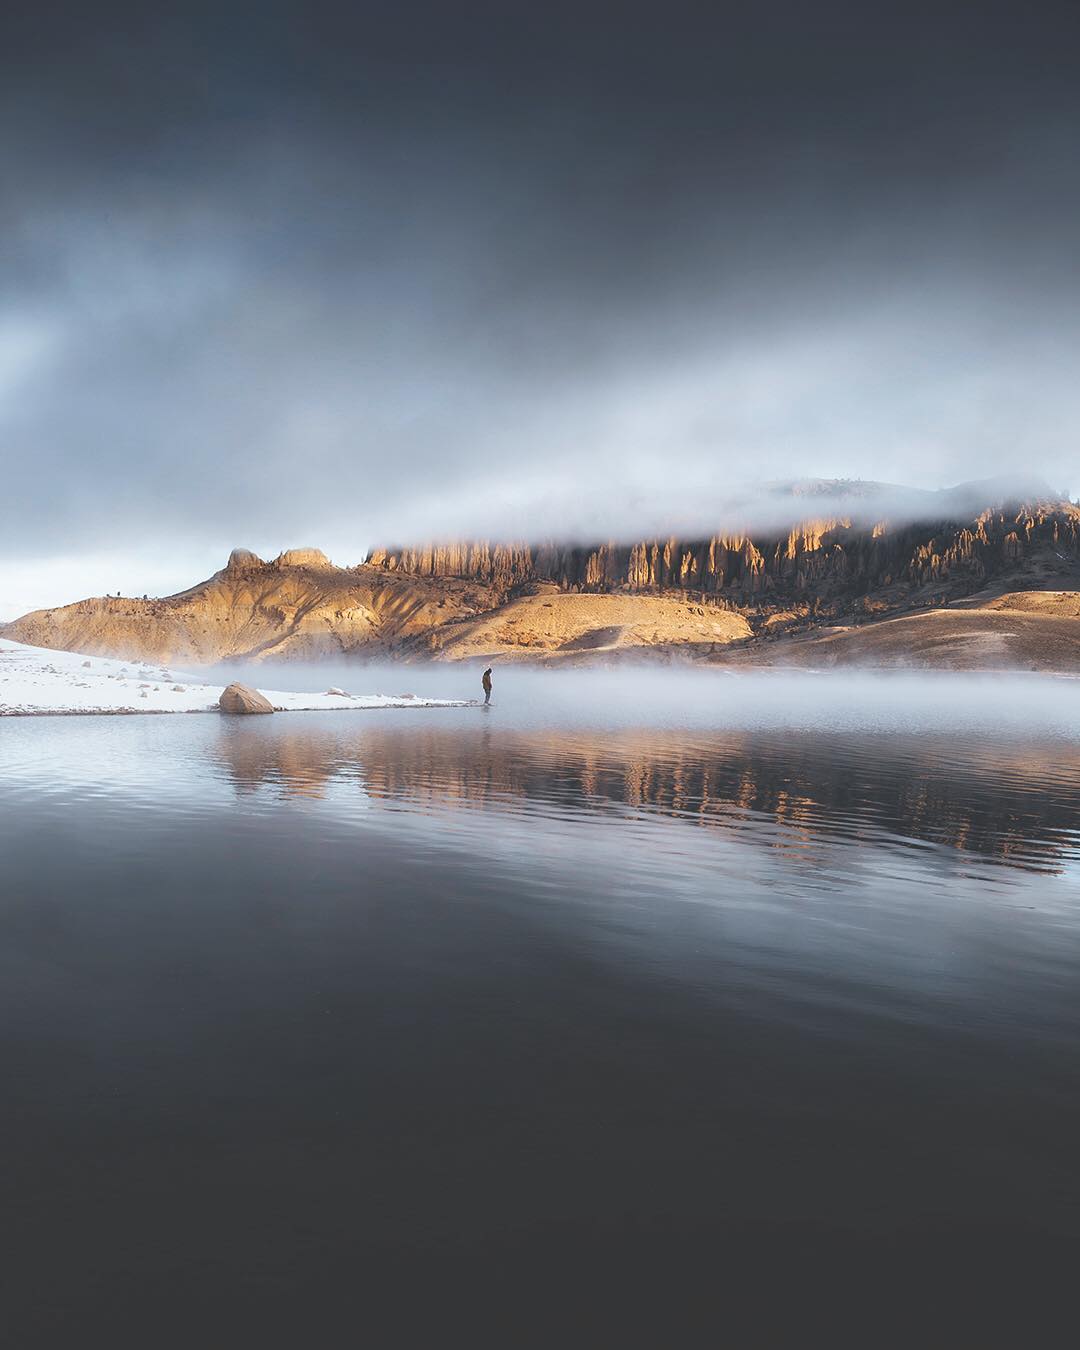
651	996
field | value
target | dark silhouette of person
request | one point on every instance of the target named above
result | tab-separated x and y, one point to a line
486	682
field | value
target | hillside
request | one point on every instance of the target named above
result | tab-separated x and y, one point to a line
557	627
297	607
954	589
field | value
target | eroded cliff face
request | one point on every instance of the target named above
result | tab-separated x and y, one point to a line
826	561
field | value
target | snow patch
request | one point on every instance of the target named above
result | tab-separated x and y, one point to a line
40	680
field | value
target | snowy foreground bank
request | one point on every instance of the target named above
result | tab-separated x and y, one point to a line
35	680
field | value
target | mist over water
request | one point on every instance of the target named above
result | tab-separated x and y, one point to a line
633	974
996	705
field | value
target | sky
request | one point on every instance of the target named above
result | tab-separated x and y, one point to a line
338	275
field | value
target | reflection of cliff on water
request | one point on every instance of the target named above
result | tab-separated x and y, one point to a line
300	764
1018	805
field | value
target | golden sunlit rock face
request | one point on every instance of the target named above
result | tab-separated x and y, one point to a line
828	556
830	591
298	607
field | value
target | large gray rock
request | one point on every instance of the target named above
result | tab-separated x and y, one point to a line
238	698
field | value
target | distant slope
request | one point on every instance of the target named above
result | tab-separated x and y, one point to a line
1030	631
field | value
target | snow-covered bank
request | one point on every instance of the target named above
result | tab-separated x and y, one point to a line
35	680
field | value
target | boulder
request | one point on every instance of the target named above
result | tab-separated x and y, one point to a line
238	698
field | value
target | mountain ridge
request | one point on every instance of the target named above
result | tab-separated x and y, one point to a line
709	597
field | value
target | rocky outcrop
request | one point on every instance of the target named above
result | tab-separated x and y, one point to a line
501	565
304	557
241	698
827	561
242	559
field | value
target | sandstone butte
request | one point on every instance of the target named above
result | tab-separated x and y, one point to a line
984	586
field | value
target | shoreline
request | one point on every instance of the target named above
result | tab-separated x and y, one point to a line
45	682
417	706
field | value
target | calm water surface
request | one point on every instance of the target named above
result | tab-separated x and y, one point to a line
310	1014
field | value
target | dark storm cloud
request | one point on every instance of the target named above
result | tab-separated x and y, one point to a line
337	274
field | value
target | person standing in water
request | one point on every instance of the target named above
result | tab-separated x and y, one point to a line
486	682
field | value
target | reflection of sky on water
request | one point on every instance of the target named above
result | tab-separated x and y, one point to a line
526	970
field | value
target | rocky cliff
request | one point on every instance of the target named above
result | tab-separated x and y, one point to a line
831	563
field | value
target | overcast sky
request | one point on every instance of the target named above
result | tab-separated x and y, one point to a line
279	275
